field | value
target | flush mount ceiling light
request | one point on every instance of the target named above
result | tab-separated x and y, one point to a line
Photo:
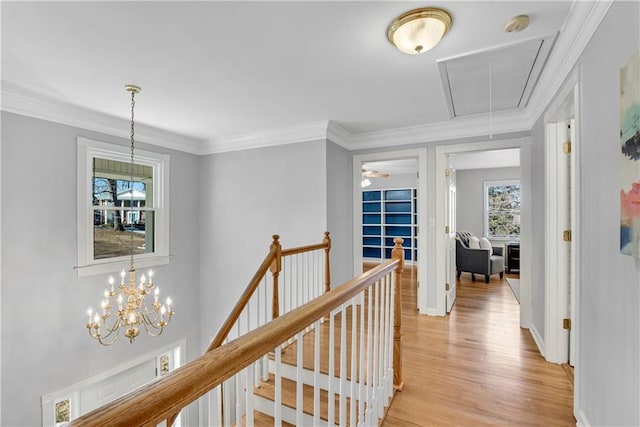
419	30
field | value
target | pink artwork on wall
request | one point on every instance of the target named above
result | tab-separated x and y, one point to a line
630	157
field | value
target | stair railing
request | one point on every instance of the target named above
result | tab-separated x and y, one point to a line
291	287
372	304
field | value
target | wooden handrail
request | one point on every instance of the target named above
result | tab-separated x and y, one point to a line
246	295
302	249
160	400
272	262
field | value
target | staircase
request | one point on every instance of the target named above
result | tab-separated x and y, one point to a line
294	351
349	396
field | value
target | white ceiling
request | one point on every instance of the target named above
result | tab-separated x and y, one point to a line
231	72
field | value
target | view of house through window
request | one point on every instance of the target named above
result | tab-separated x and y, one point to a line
502	209
122	208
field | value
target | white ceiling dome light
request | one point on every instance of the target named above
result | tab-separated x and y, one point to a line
419	30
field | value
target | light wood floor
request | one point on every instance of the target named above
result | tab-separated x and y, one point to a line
476	366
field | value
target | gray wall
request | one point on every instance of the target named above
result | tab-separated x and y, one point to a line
470	195
340	212
44	342
609	364
246	197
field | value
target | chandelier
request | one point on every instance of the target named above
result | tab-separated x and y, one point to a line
125	307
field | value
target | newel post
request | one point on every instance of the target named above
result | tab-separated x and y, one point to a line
397	253
276	267
327	270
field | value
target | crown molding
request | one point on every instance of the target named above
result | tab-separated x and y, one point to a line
268	138
18	100
339	135
582	22
458	128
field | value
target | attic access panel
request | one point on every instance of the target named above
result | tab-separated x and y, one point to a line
515	70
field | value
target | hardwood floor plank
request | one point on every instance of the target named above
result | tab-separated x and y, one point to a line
475	366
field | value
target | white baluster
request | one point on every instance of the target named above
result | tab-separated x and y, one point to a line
343	365
385	340
238	386
369	388
277	398
376	347
354	360
361	380
266	317
299	383
226	402
332	370
392	305
249	395
316	374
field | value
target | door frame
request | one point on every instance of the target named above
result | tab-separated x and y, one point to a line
421	155
567	104
565	107
442	154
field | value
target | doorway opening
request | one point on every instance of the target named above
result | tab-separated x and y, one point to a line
458	158
389	201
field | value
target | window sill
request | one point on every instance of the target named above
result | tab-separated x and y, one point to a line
114	267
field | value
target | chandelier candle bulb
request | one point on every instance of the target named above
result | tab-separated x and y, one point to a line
150	277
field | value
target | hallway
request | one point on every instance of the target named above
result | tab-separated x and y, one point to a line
476	366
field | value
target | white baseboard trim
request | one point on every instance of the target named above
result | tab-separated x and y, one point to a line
581	419
432	312
537	338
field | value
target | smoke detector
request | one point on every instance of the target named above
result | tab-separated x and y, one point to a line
517	24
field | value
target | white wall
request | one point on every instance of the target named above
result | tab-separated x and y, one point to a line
394	181
470	195
340	212
246	197
608	372
45	346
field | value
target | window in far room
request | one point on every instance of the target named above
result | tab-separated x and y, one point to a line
502	209
120	207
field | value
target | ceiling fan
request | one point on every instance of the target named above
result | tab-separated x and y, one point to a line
373	174
366	174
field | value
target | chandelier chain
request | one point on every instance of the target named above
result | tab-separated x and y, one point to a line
133	104
131	312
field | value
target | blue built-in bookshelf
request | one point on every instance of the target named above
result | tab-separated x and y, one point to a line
387	214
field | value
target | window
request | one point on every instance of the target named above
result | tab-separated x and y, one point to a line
116	214
502	209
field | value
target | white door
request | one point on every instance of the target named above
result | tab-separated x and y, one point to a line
450	236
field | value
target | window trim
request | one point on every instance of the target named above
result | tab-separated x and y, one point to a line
87	150
495	183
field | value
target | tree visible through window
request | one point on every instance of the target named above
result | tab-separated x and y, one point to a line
502	209
121	205
122	209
